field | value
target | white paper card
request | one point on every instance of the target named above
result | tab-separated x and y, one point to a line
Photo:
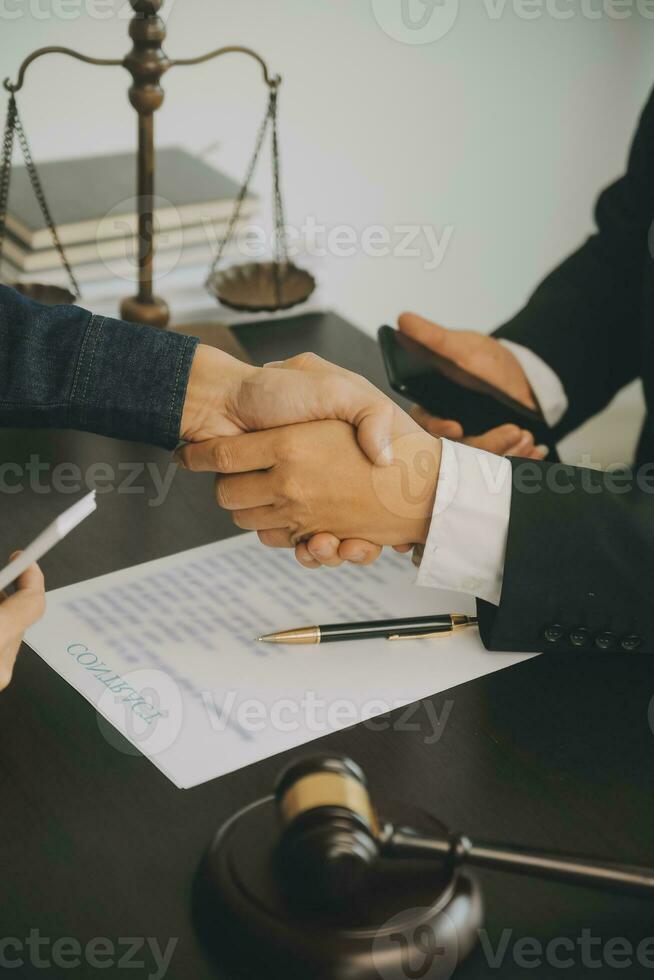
166	652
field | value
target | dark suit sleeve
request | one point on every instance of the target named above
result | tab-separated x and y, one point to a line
579	564
66	368
583	320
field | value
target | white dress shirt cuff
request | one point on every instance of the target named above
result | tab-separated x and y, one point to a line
466	545
545	383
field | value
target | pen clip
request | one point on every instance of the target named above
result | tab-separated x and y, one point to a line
459	622
421	636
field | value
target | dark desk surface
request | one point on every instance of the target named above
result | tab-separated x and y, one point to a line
557	752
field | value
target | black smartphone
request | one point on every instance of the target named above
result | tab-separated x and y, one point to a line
443	388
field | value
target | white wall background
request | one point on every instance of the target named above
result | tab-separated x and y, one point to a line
503	129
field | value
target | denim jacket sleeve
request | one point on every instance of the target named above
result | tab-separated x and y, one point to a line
63	367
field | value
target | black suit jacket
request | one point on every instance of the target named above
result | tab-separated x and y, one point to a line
579	570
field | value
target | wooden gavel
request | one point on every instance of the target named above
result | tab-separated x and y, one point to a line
332	838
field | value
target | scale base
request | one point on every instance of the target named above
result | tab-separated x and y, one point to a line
408	921
153	312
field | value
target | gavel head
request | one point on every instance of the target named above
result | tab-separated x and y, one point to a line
330	832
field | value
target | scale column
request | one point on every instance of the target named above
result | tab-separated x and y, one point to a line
146	63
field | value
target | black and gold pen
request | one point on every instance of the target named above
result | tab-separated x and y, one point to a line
413	628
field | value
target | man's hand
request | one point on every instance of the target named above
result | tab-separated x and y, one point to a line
480	355
290	483
226	397
17	612
489	360
475	352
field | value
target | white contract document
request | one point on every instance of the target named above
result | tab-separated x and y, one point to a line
166	651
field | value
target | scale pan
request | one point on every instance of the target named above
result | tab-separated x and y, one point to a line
43	293
262	286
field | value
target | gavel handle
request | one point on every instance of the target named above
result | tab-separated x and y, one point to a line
403	842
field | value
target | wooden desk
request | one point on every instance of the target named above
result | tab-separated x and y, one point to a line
557	752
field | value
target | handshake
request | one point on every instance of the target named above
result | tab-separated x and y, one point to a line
310	456
315	458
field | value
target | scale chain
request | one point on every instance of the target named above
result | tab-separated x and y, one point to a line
5	176
281	245
242	193
14	127
281	254
40	197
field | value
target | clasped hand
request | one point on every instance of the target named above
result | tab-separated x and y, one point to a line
292	482
326	487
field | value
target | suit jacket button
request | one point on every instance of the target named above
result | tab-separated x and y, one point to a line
605	641
553	633
579	637
631	643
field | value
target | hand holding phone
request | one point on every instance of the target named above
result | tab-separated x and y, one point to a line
446	390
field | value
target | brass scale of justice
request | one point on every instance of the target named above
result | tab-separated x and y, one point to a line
255	286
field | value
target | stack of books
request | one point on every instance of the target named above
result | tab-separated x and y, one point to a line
93	203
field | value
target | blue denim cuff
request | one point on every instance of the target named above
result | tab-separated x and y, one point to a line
130	381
